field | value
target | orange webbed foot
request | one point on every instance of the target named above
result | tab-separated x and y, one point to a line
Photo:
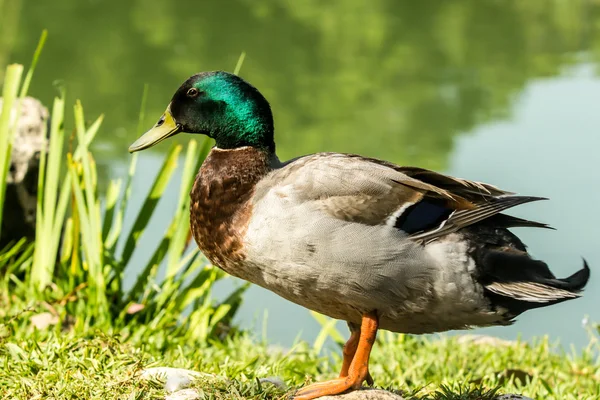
355	368
326	388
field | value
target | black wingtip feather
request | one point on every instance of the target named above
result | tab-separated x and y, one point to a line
523	199
463	218
508	221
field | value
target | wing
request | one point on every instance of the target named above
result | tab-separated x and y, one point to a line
424	204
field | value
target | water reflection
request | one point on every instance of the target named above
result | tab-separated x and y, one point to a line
393	79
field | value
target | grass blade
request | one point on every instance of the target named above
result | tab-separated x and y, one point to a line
323	335
117	219
327	328
143	217
34	61
50	164
191	165
240	62
112	196
7	124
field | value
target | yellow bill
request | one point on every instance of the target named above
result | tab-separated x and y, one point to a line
164	128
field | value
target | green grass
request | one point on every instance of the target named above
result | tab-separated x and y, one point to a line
68	365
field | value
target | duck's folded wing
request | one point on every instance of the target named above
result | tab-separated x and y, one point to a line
422	203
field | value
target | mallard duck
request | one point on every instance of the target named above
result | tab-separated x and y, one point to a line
375	244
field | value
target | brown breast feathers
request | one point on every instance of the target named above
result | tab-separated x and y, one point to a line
220	202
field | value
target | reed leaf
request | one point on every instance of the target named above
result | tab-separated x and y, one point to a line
7	124
143	216
46	240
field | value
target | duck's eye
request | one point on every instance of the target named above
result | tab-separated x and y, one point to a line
193	92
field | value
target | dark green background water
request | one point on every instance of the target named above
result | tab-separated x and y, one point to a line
502	91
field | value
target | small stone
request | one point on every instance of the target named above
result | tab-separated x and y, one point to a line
365	394
185	394
513	397
177	382
43	320
134	308
275	381
176	378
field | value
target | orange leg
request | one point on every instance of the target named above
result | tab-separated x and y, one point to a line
357	372
348	353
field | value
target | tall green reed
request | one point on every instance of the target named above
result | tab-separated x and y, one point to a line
10	112
7	124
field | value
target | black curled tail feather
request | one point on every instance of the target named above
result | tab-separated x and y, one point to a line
578	280
516	282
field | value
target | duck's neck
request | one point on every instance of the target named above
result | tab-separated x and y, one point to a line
220	201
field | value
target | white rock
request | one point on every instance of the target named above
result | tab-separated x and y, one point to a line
185	394
365	394
43	320
175	378
177	382
513	397
275	381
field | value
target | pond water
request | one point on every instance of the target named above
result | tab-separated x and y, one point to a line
503	92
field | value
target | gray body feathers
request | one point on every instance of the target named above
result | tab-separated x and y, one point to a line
326	232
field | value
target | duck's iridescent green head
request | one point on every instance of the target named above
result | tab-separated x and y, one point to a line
220	105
